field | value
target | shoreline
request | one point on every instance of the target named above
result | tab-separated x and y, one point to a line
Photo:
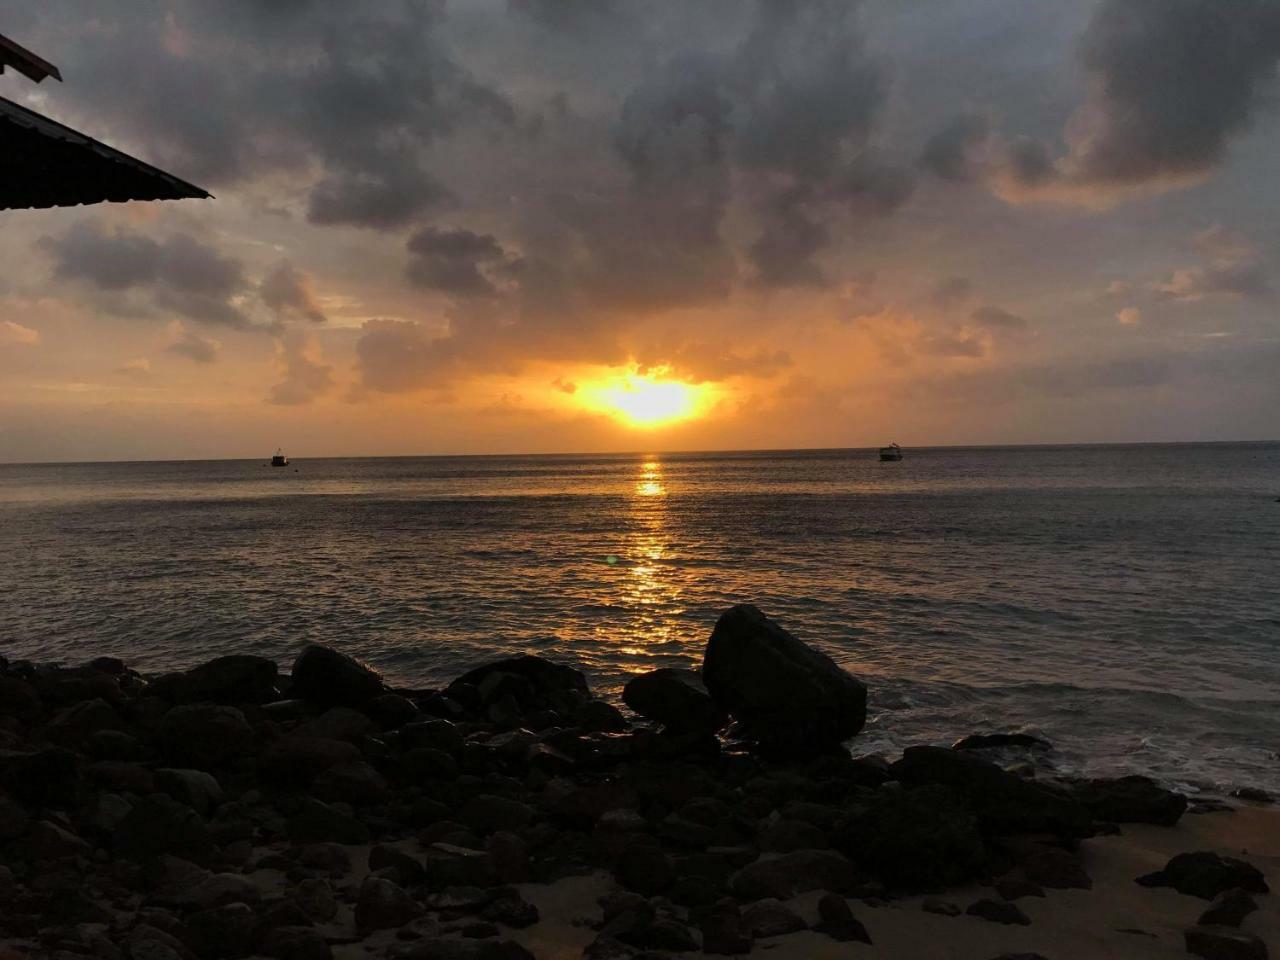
232	811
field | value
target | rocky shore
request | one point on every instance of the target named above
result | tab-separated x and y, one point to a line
230	811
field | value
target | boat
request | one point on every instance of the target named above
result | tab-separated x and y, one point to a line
891	452
279	460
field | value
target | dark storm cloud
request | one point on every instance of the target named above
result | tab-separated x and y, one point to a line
350	96
452	261
948	153
1172	83
182	274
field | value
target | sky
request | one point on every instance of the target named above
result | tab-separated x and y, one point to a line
483	226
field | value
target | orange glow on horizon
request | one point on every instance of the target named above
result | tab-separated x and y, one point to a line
646	401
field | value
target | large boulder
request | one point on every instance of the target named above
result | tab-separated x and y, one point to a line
158	825
1206	874
234	679
677	699
332	679
1131	799
794	873
788	697
1004	804
526	682
204	736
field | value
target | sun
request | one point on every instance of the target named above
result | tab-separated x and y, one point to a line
646	401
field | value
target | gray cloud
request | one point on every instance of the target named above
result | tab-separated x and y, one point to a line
997	319
305	376
950	291
182	274
287	291
189	344
948	154
452	261
1247	280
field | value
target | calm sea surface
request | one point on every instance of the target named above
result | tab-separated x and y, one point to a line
1122	601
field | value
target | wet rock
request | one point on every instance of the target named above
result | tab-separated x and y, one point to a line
787	696
770	918
1253	795
527	682
356	783
195	788
996	741
158	824
204	736
299	760
1224	943
383	905
918	840
677	699
1228	909
1205	874
332	679
997	911
784	876
1131	800
234	679
837	921
296	943
597	716
1003	803
408	870
318	822
222	933
943	908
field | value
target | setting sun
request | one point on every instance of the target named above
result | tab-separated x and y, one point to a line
646	400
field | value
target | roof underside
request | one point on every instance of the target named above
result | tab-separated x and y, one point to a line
46	164
25	62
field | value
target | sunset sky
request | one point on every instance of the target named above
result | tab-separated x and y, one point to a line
586	225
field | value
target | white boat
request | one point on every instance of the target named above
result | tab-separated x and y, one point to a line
279	460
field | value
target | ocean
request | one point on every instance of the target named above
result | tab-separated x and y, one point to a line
1121	601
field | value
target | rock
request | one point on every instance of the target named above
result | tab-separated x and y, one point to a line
442	949
222	933
196	789
998	911
48	841
300	760
596	716
408	870
332	679
337	723
239	678
1228	909
487	813
382	905
784	836
1205	875
1253	795
511	910
356	783
391	711
19	699
531	683
432	734
203	891
203	736
941	907
1003	803
722	934
1013	889
14	819
296	943
1224	943
837	921
787	696
158	824
42	778
148	946
996	741
509	855
317	822
784	876
315	897
918	840
677	699
1051	866
770	918
113	745
425	765
1131	800
76	723
645	869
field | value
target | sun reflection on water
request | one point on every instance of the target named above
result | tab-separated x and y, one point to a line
649	592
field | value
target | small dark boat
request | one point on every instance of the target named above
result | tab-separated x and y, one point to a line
891	452
279	460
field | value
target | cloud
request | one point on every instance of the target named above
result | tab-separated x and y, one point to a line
15	333
1172	84
180	273
1129	316
304	375
187	343
948	154
451	261
997	319
950	291
138	369
1234	281
288	292
950	343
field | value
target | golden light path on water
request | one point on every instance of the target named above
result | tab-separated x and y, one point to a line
652	597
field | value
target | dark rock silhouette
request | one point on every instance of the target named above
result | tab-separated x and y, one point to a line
332	679
677	699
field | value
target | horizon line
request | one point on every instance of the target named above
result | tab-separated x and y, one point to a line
653	453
